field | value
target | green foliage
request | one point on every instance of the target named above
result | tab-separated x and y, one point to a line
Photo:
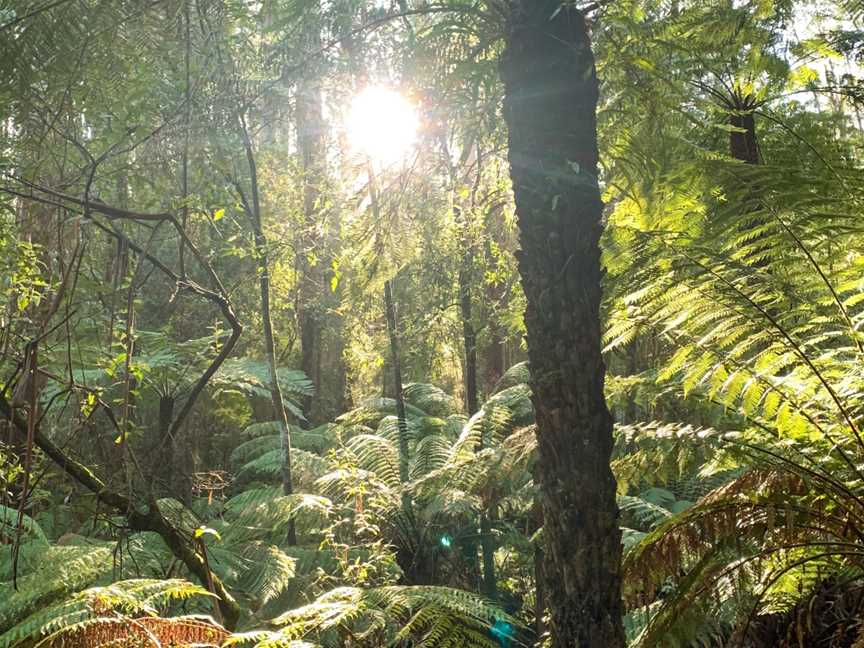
81	614
30	530
388	616
739	281
47	574
732	324
252	378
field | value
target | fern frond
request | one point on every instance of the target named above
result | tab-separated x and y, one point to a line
432	616
430	399
87	610
61	570
518	374
31	531
183	632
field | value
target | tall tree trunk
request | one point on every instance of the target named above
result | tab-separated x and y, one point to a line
469	335
487	551
322	341
393	334
253	210
187	116
492	351
550	108
469	339
401	418
310	141
163	464
341	390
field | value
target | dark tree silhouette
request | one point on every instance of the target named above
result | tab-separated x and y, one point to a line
550	107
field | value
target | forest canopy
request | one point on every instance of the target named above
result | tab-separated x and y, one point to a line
440	323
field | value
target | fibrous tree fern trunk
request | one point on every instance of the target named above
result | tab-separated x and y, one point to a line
550	108
742	138
744	147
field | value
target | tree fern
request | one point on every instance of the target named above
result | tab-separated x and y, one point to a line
430	399
782	527
426	616
251	377
117	614
31	531
58	571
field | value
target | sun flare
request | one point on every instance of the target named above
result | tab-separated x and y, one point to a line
382	124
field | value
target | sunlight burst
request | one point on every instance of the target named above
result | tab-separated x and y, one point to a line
382	124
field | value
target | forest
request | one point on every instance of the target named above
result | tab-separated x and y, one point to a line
432	323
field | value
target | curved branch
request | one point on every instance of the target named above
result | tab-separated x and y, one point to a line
219	296
149	519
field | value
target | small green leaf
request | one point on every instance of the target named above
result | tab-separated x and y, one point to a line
337	275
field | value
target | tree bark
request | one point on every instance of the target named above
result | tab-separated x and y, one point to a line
550	108
469	339
310	142
469	335
401	418
744	147
253	210
742	143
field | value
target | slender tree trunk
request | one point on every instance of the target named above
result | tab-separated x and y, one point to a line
550	108
492	352
187	114
341	390
310	140
320	325
539	578
469	338
487	550
393	333
261	256
469	335
163	465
